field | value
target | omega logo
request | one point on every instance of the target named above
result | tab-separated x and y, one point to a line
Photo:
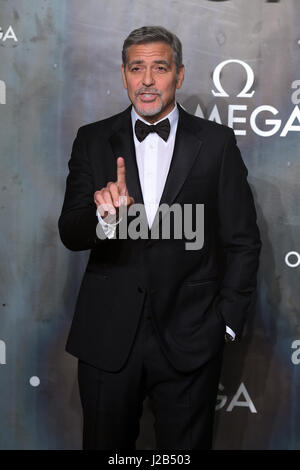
245	93
236	401
255	119
8	34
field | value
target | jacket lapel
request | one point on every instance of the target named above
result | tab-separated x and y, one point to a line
122	144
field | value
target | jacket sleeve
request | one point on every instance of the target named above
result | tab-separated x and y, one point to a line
239	236
78	220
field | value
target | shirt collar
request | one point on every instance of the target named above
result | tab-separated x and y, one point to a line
172	116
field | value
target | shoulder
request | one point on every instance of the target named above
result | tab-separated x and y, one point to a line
103	126
210	129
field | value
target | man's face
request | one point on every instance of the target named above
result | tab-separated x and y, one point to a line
151	80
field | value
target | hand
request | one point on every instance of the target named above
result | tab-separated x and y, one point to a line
109	199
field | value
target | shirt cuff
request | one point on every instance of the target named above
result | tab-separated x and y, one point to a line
230	332
108	228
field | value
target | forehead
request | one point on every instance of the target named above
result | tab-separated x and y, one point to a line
149	52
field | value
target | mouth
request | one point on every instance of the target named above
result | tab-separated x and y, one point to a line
148	97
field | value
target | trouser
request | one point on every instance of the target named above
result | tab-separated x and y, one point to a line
183	404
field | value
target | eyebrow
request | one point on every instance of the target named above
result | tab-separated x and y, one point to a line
137	62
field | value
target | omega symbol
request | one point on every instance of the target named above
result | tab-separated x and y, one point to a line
245	93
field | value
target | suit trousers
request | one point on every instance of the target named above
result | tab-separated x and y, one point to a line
183	404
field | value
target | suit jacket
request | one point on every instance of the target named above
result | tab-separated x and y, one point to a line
193	294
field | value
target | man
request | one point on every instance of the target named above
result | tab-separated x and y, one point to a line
152	316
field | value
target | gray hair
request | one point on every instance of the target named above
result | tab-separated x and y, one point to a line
147	34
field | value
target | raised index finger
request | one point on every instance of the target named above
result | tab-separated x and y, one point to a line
121	172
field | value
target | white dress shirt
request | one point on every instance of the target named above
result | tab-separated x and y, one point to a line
153	157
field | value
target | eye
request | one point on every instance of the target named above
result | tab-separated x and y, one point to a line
161	68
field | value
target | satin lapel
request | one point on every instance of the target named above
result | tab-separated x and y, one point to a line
122	144
186	149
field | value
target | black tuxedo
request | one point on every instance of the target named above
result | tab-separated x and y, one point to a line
193	294
190	296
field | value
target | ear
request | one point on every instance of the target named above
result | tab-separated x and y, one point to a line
180	77
124	77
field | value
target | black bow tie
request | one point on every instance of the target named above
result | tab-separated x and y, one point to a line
142	129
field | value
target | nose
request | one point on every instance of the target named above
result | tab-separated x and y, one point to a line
148	79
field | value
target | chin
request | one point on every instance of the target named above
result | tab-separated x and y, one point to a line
149	111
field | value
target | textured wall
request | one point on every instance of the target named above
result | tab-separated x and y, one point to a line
59	69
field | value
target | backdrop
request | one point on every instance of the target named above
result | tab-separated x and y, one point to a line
59	69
